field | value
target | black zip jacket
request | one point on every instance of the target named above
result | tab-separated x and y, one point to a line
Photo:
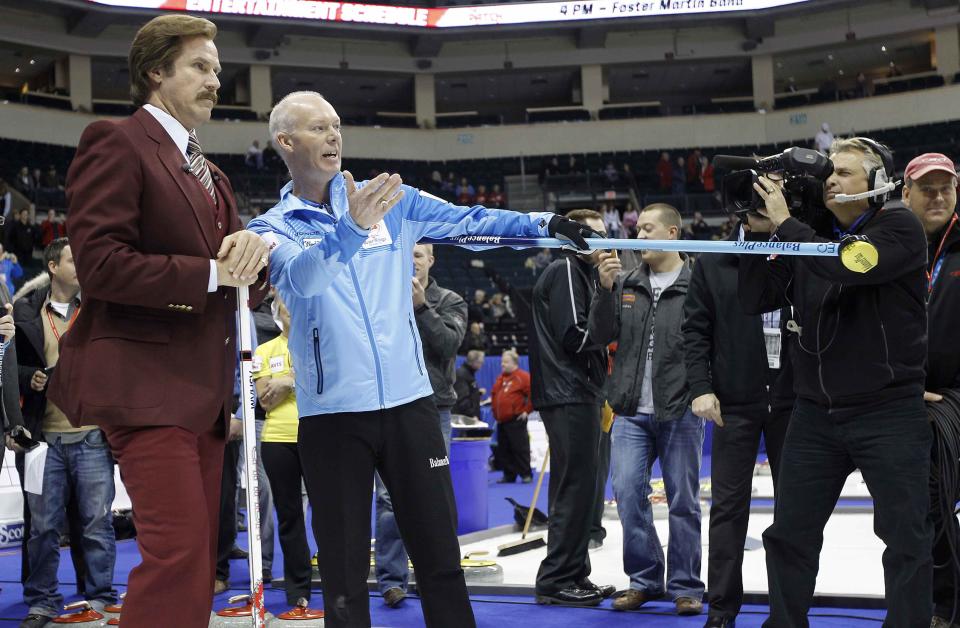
568	361
30	355
467	391
10	403
863	336
943	364
725	352
625	314
442	323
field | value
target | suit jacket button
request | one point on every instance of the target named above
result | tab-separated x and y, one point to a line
219	225
227	341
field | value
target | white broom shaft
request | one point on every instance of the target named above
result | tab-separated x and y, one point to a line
247	411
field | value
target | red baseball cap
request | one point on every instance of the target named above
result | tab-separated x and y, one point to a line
929	162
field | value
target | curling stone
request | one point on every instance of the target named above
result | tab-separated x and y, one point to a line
84	616
300	616
233	616
481	571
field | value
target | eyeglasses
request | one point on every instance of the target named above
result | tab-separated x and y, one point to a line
933	192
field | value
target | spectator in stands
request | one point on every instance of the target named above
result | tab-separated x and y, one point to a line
862	89
10	271
699	228
478	307
441	317
468	392
572	166
51	188
550	169
482	198
510	402
24	184
664	174
498	308
21	236
748	403
52	228
78	461
626	173
37	178
497	197
465	192
730	226
894	71
476	339
611	220
679	177
52	179
642	311
254	156
706	172
449	186
824	138
274	380
542	259
6	202
629	221
610	173
568	368
694	172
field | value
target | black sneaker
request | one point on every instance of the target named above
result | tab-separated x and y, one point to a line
35	621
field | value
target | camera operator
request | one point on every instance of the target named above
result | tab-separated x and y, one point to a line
859	372
930	192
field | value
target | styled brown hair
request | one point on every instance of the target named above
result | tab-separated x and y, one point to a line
157	44
583	215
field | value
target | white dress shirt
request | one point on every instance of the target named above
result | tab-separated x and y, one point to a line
181	136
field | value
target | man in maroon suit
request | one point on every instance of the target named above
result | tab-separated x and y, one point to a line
150	359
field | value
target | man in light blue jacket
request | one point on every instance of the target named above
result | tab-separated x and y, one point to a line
340	256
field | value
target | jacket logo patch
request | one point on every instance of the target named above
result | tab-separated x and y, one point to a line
308	242
629	297
379	236
955	273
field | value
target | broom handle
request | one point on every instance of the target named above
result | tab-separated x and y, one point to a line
536	494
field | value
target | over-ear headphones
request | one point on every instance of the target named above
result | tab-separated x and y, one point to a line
880	178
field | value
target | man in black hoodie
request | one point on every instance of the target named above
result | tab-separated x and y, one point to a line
568	366
740	377
859	370
930	192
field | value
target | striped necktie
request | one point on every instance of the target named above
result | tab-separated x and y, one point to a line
198	165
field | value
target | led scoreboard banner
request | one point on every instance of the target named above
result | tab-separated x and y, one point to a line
454	17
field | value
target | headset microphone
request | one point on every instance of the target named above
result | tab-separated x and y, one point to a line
886	188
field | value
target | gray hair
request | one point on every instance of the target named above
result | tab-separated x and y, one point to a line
281	117
871	159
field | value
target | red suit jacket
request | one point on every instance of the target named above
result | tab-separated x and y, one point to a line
150	346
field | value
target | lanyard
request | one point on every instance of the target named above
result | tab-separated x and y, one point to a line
837	231
53	326
938	258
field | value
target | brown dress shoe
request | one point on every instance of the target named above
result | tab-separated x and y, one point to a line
632	599
688	606
393	596
219	586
